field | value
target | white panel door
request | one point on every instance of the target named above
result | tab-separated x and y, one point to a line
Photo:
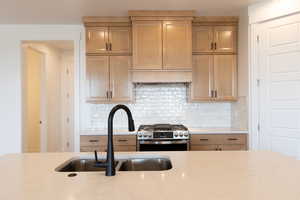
279	52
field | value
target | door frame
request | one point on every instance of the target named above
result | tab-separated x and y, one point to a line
73	33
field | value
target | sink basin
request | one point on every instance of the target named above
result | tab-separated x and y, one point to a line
80	165
146	164
125	164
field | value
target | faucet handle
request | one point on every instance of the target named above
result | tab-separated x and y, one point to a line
96	156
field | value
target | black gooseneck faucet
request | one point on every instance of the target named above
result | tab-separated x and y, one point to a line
110	160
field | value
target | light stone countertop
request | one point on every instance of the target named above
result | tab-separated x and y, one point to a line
192	131
237	175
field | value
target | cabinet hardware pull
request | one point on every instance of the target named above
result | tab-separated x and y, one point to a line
215	46
106	47
212	94
110	46
93	140
110	94
212	46
203	139
231	139
107	95
122	140
216	93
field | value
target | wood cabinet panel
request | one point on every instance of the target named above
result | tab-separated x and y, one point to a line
203	39
202	80
225	80
234	139
96	40
232	147
147	44
124	148
97	78
120	78
205	139
204	147
225	39
177	45
120	39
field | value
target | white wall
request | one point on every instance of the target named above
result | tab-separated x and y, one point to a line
270	9
10	75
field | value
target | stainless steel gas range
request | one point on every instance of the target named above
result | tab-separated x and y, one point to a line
163	137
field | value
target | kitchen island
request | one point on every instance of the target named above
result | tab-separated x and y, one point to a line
195	175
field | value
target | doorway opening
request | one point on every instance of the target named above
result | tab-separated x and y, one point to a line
48	96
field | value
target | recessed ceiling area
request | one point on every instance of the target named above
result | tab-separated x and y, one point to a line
71	11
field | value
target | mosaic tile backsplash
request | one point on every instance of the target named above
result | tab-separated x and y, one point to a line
160	103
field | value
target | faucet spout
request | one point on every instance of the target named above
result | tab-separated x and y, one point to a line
110	160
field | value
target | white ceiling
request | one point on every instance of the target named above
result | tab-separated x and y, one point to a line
71	11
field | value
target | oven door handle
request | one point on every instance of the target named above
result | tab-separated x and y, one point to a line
164	142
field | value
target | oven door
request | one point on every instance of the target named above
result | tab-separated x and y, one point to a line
163	145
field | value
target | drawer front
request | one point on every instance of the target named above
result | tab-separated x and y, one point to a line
205	139
232	147
92	140
125	148
234	139
204	147
92	148
121	140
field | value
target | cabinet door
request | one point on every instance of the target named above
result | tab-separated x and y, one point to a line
203	39
97	78
147	45
97	40
202	81
120	39
120	78
225	39
225	77
177	45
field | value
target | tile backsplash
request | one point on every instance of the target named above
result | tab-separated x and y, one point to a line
160	103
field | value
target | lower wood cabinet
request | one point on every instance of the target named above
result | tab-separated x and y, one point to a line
89	143
218	142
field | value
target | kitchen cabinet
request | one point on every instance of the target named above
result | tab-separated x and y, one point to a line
214	39
89	143
147	44
177	45
214	78
218	142
161	42
108	40
108	79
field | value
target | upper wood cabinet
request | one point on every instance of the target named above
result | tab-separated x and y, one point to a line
214	78
120	78
97	40
203	78
219	39
203	38
108	40
108	79
97	78
147	44
225	80
177	45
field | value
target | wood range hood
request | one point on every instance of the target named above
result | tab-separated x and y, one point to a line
162	46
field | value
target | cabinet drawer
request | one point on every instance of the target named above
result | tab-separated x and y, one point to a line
125	148
205	139
120	140
92	148
92	140
204	147
232	147
234	139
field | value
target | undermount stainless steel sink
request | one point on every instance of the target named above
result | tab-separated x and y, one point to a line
146	164
81	165
126	164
